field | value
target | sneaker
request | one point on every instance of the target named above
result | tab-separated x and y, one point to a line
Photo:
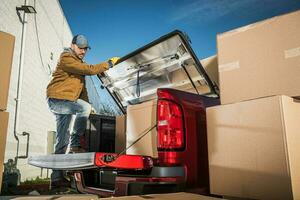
75	150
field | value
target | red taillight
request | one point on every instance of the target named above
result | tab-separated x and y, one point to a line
170	131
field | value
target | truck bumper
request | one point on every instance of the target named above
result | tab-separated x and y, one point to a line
160	180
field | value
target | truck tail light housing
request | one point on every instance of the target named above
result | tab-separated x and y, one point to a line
170	126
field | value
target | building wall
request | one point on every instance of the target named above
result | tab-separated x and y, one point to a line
46	35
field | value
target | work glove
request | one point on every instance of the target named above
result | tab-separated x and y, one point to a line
112	61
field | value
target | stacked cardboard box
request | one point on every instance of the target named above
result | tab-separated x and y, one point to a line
168	196
7	42
254	148
140	118
253	138
120	137
3	132
260	59
210	65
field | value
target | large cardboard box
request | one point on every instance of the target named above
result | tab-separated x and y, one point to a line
7	43
120	138
261	59
253	148
168	196
59	197
3	132
210	65
140	118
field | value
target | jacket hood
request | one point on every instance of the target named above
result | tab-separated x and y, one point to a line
70	51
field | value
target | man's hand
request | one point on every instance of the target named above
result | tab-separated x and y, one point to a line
112	61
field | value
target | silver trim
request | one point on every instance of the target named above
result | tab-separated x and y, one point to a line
168	171
64	161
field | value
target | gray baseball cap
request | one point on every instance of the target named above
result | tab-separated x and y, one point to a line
80	41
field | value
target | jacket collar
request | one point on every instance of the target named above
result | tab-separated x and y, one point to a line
70	51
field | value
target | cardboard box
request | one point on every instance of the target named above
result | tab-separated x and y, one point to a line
261	59
120	141
3	133
181	82
253	148
7	43
140	118
168	196
59	197
210	65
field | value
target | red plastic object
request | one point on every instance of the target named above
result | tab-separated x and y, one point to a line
123	161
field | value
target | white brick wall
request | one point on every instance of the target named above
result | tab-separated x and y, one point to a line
35	118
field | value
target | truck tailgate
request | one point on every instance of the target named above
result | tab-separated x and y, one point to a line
91	160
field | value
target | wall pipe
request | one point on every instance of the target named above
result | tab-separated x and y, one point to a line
19	86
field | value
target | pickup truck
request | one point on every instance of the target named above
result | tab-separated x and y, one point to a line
166	72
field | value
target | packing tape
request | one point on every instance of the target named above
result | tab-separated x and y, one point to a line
229	66
291	53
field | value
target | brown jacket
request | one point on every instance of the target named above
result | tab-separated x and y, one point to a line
68	81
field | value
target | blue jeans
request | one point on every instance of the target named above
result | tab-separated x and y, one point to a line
64	110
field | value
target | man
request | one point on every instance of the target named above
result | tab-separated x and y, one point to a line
67	96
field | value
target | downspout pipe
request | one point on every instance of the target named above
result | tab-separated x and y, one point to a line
19	85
